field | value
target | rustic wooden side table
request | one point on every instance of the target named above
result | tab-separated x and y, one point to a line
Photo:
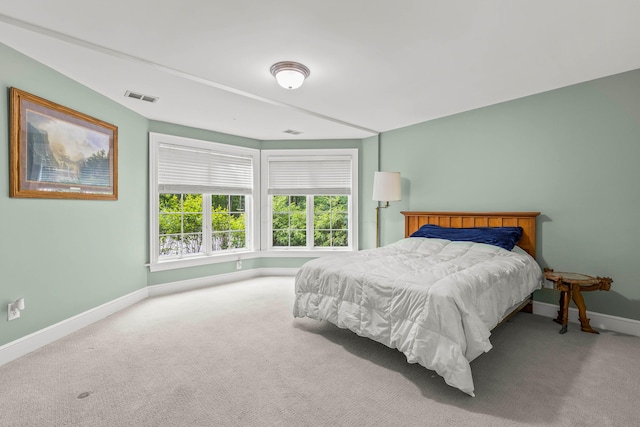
570	286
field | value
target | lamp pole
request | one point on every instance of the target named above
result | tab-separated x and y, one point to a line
386	188
378	222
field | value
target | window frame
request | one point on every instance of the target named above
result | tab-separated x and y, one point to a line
252	232
267	205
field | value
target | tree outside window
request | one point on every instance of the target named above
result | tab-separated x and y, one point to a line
330	221
330	226
228	222
180	221
181	228
289	221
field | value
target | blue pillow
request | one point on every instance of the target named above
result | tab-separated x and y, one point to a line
504	237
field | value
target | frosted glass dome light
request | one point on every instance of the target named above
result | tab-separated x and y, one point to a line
289	75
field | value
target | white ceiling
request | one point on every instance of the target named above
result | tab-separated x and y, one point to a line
375	65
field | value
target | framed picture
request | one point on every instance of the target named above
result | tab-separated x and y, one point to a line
59	153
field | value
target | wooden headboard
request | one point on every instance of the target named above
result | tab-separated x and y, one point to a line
526	220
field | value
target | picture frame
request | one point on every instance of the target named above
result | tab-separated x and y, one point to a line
60	153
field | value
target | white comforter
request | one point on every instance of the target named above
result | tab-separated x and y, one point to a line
433	299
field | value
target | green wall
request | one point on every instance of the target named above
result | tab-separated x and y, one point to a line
68	256
571	154
204	135
368	166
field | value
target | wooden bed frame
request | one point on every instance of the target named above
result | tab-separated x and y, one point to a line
527	220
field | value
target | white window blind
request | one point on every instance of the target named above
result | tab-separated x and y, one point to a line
184	169
306	175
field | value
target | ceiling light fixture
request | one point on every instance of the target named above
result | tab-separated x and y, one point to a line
289	74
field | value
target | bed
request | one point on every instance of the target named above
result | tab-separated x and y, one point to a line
433	299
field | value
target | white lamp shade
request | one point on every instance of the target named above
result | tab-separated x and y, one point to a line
290	79
386	186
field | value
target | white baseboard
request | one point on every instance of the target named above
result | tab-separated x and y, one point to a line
599	321
219	279
34	341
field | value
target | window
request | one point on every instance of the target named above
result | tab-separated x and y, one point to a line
180	220
330	221
289	219
181	229
228	222
310	199
202	198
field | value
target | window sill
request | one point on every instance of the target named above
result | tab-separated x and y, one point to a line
196	261
302	253
235	256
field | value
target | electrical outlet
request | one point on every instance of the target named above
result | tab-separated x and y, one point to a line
13	312
14	308
239	264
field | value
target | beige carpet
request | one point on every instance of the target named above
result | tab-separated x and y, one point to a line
234	355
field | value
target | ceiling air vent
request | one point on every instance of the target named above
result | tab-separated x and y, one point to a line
292	132
140	96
